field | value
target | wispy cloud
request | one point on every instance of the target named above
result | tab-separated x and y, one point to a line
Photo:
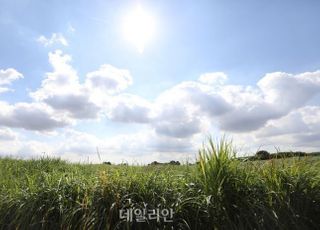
71	29
56	38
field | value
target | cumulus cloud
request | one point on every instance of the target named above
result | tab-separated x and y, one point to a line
187	108
204	98
182	129
56	38
276	95
129	108
62	79
289	91
7	76
215	78
62	90
77	105
278	108
289	124
109	79
176	120
298	130
30	116
181	111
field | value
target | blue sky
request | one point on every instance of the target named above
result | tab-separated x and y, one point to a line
160	108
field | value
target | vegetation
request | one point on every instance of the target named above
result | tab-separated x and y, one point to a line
263	155
220	192
169	163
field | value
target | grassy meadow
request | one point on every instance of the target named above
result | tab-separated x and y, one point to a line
220	192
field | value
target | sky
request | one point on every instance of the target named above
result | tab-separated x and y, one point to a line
139	81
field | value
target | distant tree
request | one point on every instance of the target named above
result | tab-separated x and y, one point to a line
107	162
290	154
263	155
174	163
169	163
300	154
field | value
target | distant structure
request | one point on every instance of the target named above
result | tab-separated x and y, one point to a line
107	162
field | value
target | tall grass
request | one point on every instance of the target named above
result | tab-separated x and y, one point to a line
220	192
276	194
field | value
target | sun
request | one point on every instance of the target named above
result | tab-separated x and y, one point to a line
139	28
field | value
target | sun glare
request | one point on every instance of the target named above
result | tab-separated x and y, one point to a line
139	28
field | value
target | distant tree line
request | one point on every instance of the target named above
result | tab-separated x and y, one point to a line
265	155
152	163
260	155
169	163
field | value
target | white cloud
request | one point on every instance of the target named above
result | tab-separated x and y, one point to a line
4	90
31	149
289	124
76	142
278	109
62	90
176	120
142	147
7	76
7	135
215	78
129	108
146	146
183	110
63	78
77	106
277	95
30	116
188	108
56	38
71	29
109	79
282	89
298	130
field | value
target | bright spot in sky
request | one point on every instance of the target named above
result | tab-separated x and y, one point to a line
139	28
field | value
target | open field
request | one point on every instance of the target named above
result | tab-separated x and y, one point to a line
220	192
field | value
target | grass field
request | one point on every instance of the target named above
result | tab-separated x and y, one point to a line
221	192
